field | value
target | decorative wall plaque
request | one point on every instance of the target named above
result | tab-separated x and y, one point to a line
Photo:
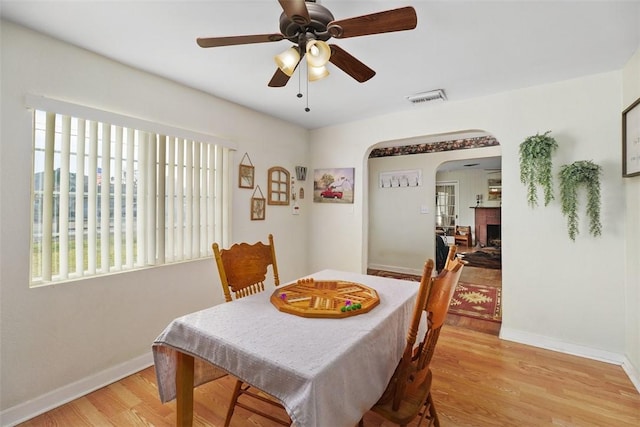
258	205
246	172
279	186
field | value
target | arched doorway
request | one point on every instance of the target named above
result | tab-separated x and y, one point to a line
468	197
402	216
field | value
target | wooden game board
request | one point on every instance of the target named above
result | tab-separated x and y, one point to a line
325	298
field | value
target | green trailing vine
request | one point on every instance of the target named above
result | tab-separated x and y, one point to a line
535	166
581	173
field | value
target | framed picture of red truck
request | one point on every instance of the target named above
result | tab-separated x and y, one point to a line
333	185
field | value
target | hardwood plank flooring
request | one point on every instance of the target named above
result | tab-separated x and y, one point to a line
479	380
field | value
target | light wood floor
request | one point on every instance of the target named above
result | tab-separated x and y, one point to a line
479	380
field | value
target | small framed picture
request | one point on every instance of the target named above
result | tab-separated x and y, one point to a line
631	140
246	176
258	205
257	208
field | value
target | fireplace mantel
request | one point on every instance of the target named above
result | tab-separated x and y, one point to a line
489	215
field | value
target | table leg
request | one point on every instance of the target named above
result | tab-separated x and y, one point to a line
184	390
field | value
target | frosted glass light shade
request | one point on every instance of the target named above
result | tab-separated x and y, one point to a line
318	53
317	73
288	60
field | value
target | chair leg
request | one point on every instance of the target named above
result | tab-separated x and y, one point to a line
241	388
432	411
232	404
423	415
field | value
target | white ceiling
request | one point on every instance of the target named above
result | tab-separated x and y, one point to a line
489	164
467	48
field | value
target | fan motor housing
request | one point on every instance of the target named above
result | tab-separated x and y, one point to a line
320	18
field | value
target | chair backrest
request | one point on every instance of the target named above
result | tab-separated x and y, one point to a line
434	297
243	267
437	307
453	249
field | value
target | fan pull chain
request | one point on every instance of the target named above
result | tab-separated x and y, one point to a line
299	95
299	82
307	109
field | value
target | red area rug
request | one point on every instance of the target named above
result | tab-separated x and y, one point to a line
470	300
477	301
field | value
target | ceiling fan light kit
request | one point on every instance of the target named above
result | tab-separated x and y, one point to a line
287	61
316	73
309	25
318	53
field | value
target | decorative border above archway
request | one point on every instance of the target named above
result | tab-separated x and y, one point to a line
435	147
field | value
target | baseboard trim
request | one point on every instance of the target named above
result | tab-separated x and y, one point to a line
572	349
395	269
32	408
560	346
632	373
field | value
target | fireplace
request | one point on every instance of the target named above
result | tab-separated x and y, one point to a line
493	235
488	225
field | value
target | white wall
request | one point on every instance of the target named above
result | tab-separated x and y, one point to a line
472	183
557	293
58	339
631	92
400	236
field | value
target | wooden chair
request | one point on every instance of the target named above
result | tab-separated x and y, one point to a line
451	256
409	390
463	235
243	267
243	270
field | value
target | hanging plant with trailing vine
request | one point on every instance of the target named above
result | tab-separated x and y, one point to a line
581	173
535	166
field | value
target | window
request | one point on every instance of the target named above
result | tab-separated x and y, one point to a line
109	198
446	206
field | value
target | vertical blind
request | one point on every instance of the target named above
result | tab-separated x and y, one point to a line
109	198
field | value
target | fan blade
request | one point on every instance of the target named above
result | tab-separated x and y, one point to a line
296	10
236	40
279	79
401	19
349	64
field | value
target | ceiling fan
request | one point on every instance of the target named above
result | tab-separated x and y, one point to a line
309	25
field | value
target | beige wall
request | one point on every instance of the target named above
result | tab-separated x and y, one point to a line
59	340
574	305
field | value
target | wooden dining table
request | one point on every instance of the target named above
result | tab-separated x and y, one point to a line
324	371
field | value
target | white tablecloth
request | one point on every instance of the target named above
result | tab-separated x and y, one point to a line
326	372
